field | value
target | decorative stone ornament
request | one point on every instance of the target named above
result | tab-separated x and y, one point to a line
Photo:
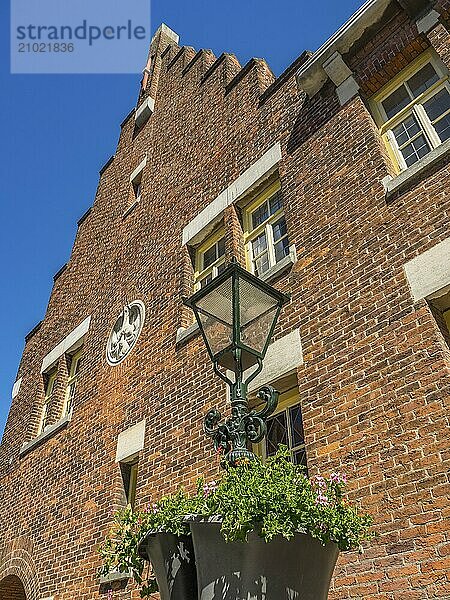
125	332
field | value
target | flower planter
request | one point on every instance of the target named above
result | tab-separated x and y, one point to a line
299	568
173	563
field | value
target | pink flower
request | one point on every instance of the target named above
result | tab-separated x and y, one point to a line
110	594
321	499
209	488
319	481
338	478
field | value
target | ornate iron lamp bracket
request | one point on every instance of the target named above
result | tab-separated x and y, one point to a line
232	436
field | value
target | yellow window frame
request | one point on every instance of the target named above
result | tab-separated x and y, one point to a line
250	234
287	399
48	398
131	498
199	271
447	318
129	472
386	125
72	380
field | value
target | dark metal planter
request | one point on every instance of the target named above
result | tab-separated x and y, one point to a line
296	569
173	563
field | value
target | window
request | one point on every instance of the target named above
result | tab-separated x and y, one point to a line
266	238
136	180
413	110
209	260
285	427
440	309
137	187
50	380
129	472
75	363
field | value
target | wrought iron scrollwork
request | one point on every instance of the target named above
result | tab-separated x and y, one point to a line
243	426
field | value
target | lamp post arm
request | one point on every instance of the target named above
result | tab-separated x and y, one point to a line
221	375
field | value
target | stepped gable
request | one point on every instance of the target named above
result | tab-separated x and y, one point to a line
204	58
203	68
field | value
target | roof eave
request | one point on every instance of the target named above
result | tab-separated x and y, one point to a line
311	76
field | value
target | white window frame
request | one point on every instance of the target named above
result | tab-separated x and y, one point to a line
251	234
201	272
415	107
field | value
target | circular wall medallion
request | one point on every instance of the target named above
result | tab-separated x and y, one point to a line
125	332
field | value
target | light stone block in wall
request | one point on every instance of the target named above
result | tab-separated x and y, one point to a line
202	224
347	90
130	441
16	388
163	28
428	21
336	69
282	358
138	170
429	273
70	342
144	112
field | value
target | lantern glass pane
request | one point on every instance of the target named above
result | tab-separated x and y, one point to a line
218	335
258	310
254	334
219	303
253	302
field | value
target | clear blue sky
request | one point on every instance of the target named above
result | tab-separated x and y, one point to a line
58	130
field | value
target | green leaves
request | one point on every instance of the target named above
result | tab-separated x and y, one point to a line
119	551
272	498
276	498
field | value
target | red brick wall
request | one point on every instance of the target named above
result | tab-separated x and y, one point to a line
375	382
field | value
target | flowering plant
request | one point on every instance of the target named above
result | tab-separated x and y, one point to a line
272	498
277	498
119	551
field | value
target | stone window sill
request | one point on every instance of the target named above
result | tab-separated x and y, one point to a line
48	433
115	576
417	170
281	267
144	112
185	334
130	209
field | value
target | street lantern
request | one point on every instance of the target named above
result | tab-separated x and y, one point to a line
237	313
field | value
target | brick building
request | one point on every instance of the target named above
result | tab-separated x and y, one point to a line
332	183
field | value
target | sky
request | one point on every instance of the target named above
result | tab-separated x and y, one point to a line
57	131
